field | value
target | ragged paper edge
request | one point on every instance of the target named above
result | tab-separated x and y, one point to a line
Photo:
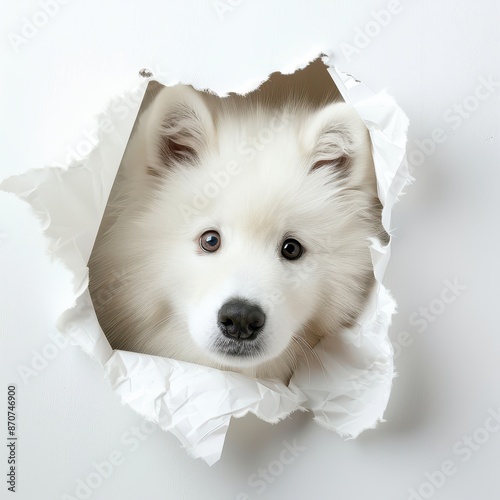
389	146
380	257
157	390
157	73
78	322
378	252
394	135
90	347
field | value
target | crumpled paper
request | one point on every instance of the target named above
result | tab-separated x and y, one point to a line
346	384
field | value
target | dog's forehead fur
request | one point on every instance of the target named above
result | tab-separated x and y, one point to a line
257	204
267	189
269	209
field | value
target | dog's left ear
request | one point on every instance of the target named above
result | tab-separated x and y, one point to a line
335	137
179	129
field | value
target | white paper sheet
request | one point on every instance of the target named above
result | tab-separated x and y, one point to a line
346	385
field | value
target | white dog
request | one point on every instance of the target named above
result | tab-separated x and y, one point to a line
237	235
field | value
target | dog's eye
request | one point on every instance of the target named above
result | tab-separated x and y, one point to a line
210	241
291	249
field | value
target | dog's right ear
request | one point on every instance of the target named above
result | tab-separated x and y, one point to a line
336	138
179	129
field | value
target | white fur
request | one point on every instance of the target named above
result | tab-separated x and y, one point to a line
155	291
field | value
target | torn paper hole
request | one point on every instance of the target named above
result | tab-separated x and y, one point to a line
346	384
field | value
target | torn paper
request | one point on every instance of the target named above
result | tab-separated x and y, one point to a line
346	384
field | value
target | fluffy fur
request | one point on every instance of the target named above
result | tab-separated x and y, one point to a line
258	176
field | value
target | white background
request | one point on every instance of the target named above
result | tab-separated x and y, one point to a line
431	57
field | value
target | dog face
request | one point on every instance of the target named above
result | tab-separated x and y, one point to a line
247	229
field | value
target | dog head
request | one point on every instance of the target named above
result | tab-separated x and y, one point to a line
256	224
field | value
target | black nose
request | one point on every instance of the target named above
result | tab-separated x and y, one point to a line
241	320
